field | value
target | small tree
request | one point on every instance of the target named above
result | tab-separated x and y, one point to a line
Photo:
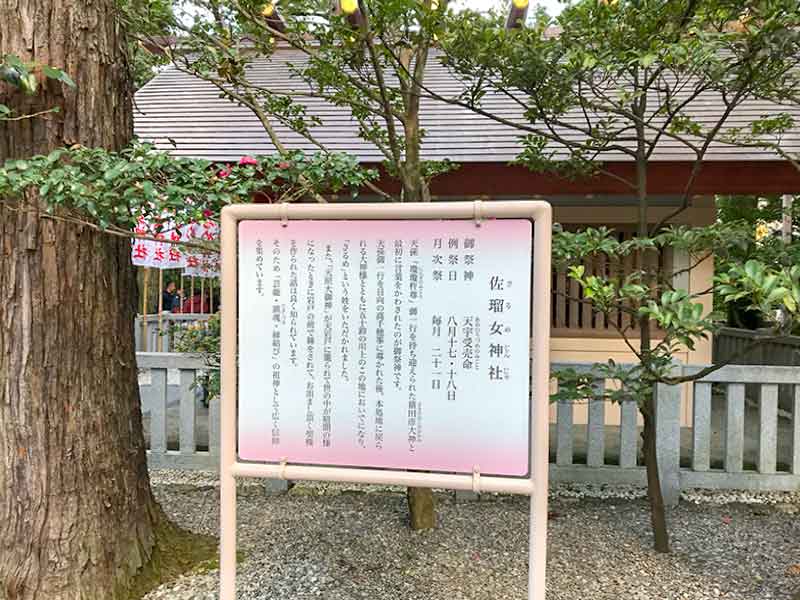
621	81
368	57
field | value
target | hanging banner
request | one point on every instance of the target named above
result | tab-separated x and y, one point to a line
202	265
157	254
198	263
142	250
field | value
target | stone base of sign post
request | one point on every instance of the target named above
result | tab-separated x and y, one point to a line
275	487
463	496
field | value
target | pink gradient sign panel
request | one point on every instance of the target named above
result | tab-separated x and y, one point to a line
390	344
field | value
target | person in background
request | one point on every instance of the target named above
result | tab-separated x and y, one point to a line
191	305
194	305
171	298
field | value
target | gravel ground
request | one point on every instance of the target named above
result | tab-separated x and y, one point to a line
345	543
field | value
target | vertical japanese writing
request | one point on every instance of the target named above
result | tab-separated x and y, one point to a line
413	271
276	343
344	374
452	259
310	341
436	352
499	350
398	314
259	267
452	357
380	338
437	260
362	345
469	259
414	403
327	348
468	343
352	354
293	285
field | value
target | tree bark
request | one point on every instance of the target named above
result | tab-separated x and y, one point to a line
415	189
658	518
77	517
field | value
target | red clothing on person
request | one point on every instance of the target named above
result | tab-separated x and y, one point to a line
193	305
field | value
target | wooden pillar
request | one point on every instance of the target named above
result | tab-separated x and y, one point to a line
159	343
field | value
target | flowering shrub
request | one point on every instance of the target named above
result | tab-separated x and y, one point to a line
113	190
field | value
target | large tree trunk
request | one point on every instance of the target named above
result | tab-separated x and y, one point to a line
77	517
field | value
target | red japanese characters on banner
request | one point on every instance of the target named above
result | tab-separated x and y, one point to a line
142	250
198	263
154	253
169	254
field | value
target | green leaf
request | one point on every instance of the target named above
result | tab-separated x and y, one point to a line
51	72
752	268
58	75
67	79
777	294
29	83
14	61
4	110
647	60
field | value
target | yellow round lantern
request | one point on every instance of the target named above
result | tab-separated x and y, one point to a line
520	3
349	6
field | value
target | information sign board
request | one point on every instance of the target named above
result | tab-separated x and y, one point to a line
401	344
395	344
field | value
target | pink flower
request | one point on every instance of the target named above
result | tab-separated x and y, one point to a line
248	160
207	213
283	165
224	172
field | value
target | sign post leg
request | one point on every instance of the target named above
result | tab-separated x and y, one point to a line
227	538
540	353
228	401
227	487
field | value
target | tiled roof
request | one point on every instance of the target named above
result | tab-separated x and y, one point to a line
180	108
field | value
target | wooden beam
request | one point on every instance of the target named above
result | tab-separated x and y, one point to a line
664	178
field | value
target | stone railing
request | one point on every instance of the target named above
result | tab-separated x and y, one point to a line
736	442
154	334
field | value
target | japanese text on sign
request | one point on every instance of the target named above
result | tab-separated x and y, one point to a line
390	344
